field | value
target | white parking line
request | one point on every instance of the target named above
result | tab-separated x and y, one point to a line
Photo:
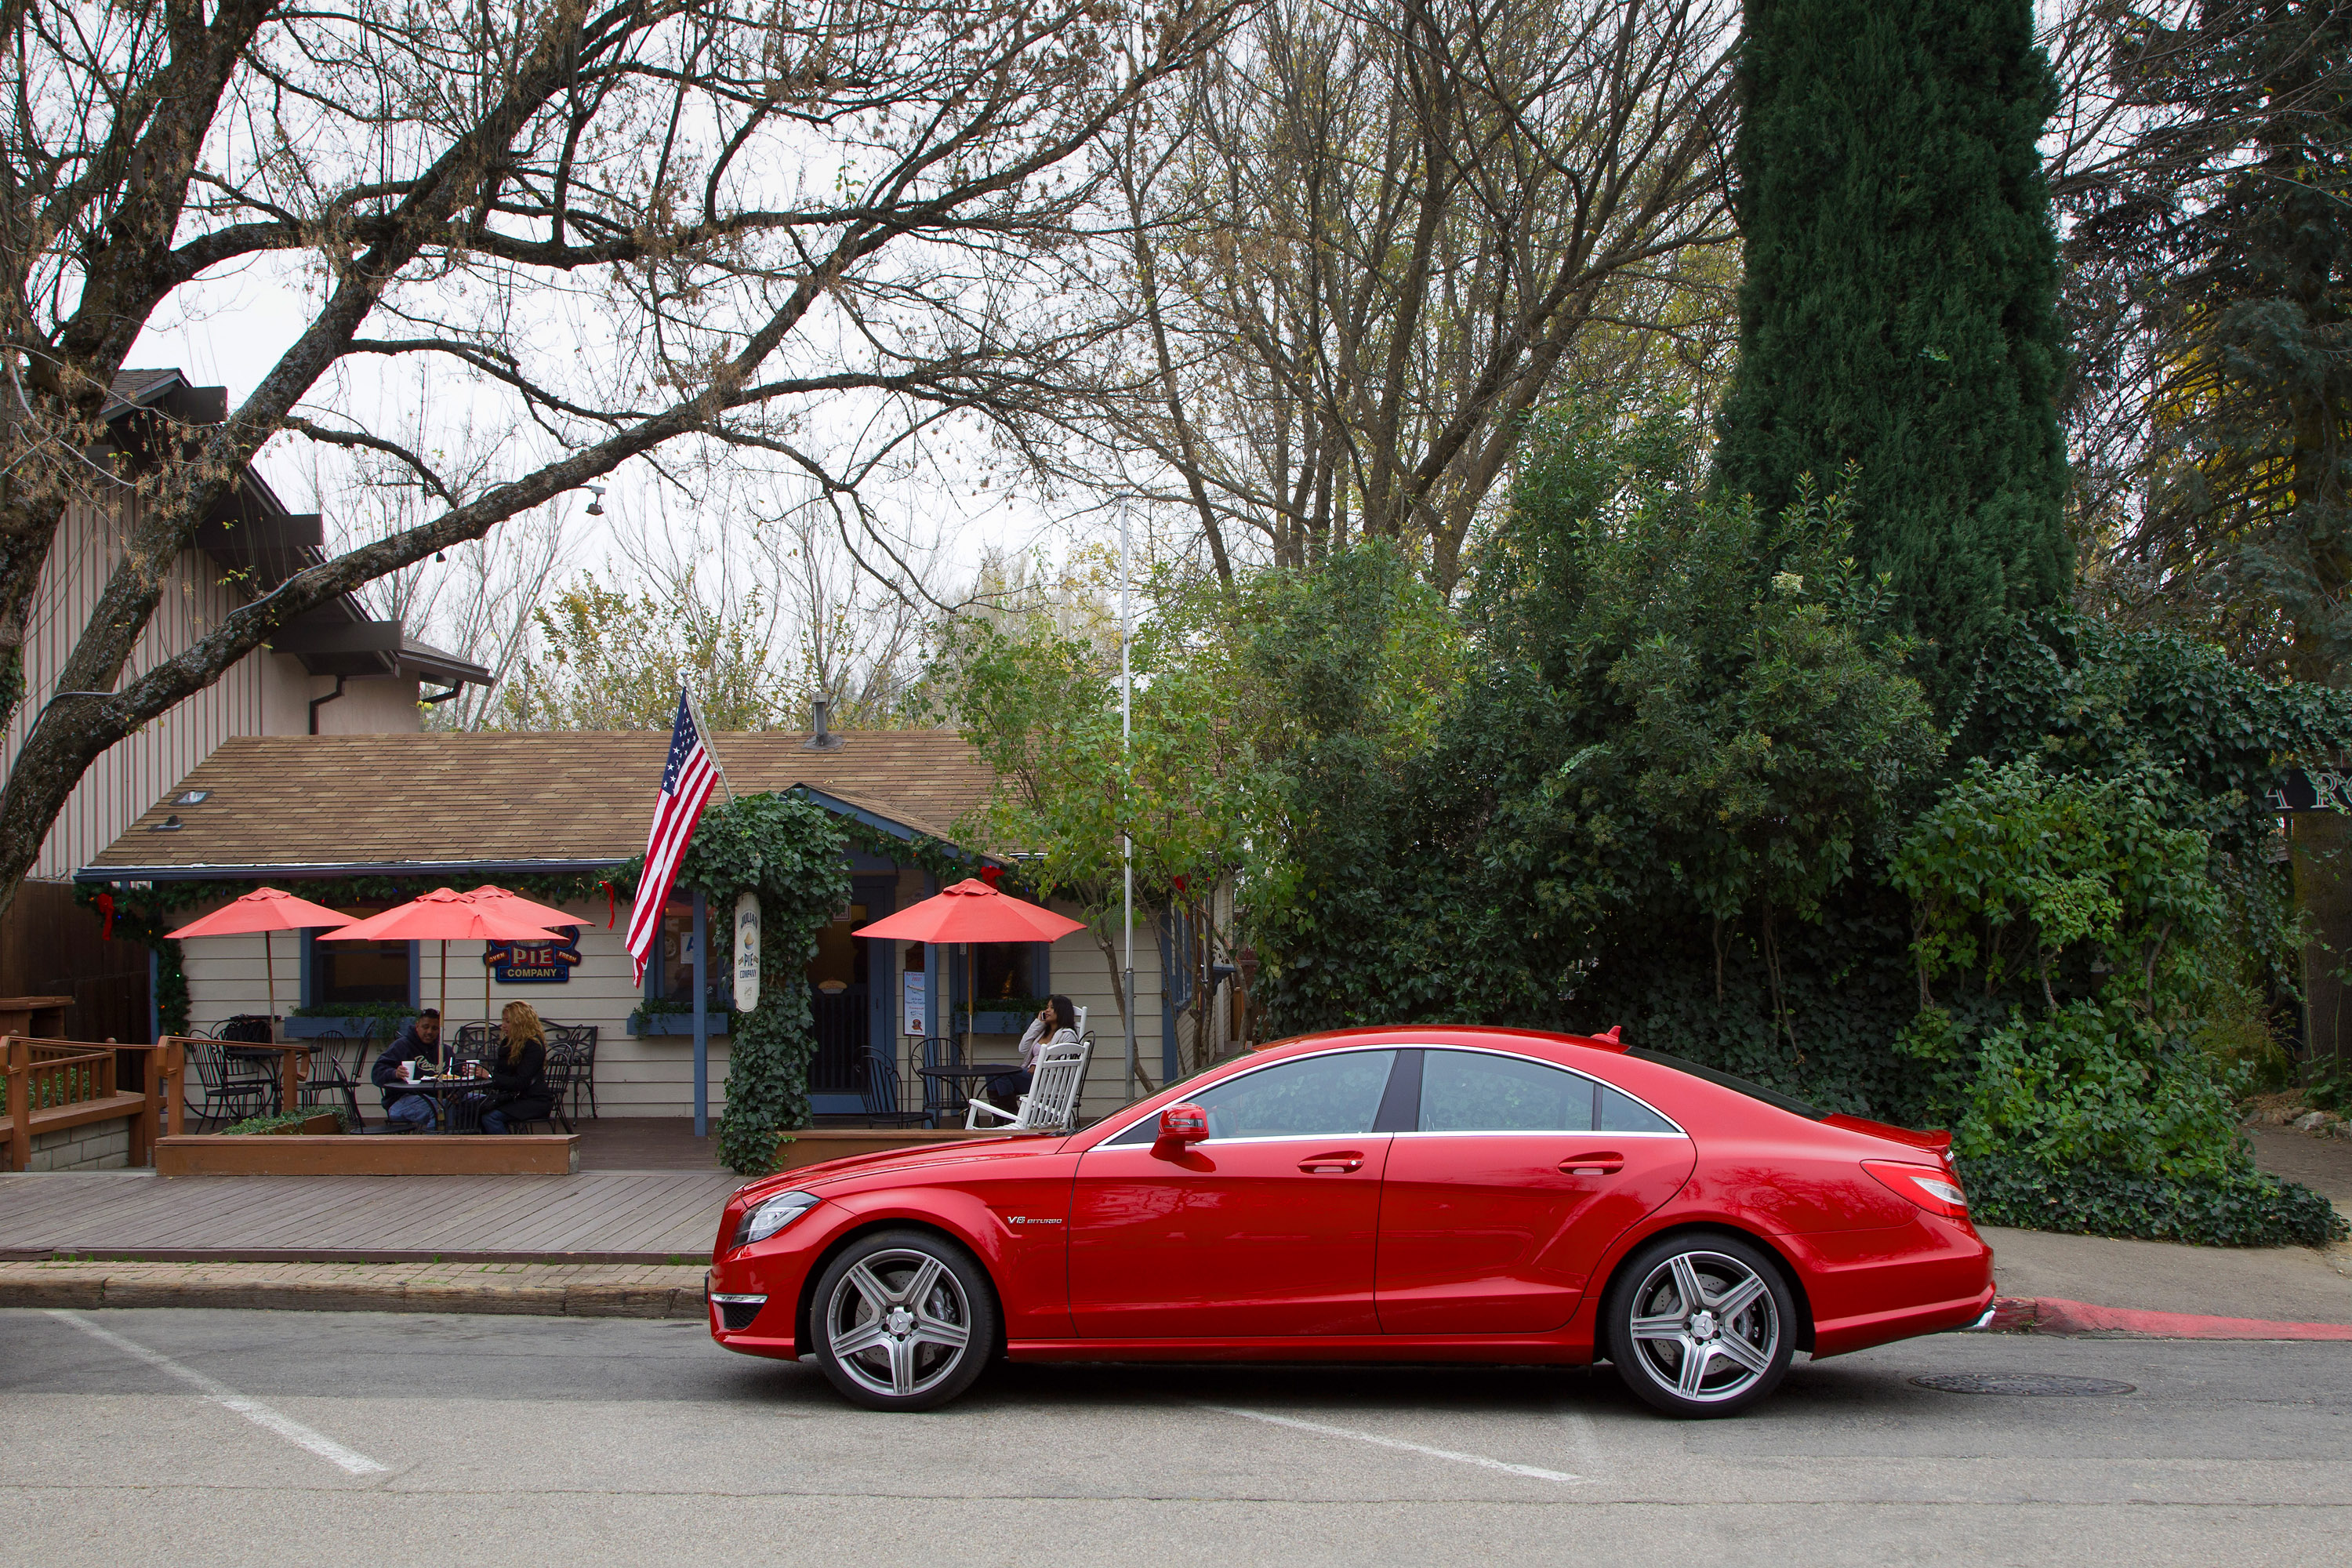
253	1410
1481	1460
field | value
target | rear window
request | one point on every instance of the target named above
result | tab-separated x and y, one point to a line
1771	1097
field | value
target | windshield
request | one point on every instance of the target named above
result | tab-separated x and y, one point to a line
1772	1097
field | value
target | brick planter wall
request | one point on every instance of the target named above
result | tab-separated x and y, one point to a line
93	1146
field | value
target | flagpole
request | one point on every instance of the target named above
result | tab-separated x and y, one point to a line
703	726
1125	839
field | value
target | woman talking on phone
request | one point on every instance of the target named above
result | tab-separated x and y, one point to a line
1056	1021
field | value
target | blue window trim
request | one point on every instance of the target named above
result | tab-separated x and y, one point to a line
308	983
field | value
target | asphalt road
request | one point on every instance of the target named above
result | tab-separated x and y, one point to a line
189	1437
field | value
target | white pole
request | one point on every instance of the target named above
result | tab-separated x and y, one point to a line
1125	839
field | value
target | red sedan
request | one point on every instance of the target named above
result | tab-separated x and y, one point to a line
1467	1195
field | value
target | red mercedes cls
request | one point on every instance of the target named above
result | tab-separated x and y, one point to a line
1427	1194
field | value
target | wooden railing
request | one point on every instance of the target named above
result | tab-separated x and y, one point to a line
56	1084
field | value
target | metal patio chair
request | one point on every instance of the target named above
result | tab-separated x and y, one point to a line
1052	1098
882	1107
579	1041
943	1097
335	1074
220	1094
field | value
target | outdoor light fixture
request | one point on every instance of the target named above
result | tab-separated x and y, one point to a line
596	506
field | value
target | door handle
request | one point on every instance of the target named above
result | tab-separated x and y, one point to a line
1598	1163
1336	1163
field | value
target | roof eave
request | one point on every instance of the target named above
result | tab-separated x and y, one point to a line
248	872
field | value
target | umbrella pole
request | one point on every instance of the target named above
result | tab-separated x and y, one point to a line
486	986
970	992
441	1046
269	970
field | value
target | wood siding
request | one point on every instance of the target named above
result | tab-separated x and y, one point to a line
135	771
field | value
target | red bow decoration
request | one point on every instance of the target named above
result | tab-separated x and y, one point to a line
611	905
105	917
992	875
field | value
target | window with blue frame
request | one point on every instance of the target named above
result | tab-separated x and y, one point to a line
348	973
1009	976
669	971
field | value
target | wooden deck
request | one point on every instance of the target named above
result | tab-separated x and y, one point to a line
594	1217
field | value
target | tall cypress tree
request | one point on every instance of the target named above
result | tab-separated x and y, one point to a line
1898	307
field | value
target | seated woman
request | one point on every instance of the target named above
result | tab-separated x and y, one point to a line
1056	1021
519	1090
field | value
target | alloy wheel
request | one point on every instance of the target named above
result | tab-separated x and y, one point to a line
898	1323
1705	1326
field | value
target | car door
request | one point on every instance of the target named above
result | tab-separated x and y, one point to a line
1267	1227
1514	1178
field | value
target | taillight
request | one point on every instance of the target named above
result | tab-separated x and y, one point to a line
1933	1189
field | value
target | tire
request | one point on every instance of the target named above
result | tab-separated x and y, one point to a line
1700	1324
903	1319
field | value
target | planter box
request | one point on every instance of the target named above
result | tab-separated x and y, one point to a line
387	1154
987	1022
663	1024
819	1144
324	1125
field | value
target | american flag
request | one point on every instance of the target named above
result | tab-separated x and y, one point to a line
687	783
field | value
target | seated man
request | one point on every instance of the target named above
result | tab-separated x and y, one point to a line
419	1040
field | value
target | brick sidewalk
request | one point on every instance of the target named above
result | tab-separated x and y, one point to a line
578	1290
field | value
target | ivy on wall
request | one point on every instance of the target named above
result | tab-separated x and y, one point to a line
792	853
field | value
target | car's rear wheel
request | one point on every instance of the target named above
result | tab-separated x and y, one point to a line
904	1319
1700	1325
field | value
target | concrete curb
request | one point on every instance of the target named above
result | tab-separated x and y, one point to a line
566	1300
2055	1315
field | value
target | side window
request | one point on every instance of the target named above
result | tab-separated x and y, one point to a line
1334	1096
1470	1091
1623	1113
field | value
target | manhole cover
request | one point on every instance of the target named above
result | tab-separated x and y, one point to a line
2025	1383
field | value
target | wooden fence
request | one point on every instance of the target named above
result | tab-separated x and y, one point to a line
54	1085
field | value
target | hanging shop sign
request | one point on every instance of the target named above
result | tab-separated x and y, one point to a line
747	952
536	962
2311	789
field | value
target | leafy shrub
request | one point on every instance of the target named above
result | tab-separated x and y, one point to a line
279	1119
2243	1208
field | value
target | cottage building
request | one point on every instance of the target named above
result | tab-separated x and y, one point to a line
429	810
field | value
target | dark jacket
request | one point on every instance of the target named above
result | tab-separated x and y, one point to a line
523	1077
407	1046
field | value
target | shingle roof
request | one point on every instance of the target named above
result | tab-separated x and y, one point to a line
583	798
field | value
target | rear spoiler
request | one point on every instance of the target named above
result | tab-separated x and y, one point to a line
1936	1142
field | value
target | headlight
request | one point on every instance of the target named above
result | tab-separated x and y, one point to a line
772	1217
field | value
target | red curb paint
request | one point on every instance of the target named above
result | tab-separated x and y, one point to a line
2055	1315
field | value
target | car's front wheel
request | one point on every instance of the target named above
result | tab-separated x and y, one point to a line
904	1319
1700	1325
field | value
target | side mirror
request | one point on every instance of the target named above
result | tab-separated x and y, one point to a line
1181	1125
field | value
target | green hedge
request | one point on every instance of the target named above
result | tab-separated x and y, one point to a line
2245	1209
256	1125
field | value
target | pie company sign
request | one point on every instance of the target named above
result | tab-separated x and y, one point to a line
535	963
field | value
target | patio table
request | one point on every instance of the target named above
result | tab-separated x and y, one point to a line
458	1115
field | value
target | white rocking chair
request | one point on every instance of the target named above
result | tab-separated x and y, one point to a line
1052	1097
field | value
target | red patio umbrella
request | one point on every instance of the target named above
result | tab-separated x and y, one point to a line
971	911
264	910
444	915
522	909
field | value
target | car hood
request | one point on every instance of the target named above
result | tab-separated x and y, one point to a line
963	1151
